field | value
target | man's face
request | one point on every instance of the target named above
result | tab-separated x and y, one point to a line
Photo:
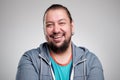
58	28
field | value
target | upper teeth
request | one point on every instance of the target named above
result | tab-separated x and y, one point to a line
57	36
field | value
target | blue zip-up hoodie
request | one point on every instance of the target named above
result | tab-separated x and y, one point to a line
36	65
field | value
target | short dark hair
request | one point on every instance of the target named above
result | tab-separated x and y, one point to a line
58	6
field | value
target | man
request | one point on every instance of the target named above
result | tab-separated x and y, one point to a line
59	58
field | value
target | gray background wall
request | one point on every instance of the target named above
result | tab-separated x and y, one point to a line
97	27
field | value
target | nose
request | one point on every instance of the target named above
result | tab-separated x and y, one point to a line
56	28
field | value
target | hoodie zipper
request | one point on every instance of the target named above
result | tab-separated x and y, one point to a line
72	72
53	77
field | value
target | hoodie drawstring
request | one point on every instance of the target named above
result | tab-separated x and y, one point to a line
84	70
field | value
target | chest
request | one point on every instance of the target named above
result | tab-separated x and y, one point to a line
46	72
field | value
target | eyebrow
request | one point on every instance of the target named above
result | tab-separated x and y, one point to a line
49	22
62	20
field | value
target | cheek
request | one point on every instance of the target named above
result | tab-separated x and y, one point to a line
68	28
69	31
47	36
48	32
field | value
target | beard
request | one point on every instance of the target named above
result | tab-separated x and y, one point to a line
59	49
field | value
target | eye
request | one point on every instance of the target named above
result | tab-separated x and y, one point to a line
62	23
49	25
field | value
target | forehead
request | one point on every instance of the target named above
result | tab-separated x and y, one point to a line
56	14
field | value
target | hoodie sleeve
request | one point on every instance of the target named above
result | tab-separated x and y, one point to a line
26	69
95	69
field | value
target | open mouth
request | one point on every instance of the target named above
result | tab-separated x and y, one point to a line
57	37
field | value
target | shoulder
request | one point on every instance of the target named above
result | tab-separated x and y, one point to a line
91	58
35	51
30	57
30	54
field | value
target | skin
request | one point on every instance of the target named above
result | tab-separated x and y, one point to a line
58	28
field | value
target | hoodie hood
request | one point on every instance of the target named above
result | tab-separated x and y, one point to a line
79	53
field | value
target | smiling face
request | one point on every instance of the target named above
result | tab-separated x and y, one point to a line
58	29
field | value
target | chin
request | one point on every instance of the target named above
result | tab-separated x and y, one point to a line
59	47
59	44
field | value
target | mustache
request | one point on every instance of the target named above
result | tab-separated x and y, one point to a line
57	34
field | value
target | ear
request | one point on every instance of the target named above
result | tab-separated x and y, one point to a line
72	25
44	29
